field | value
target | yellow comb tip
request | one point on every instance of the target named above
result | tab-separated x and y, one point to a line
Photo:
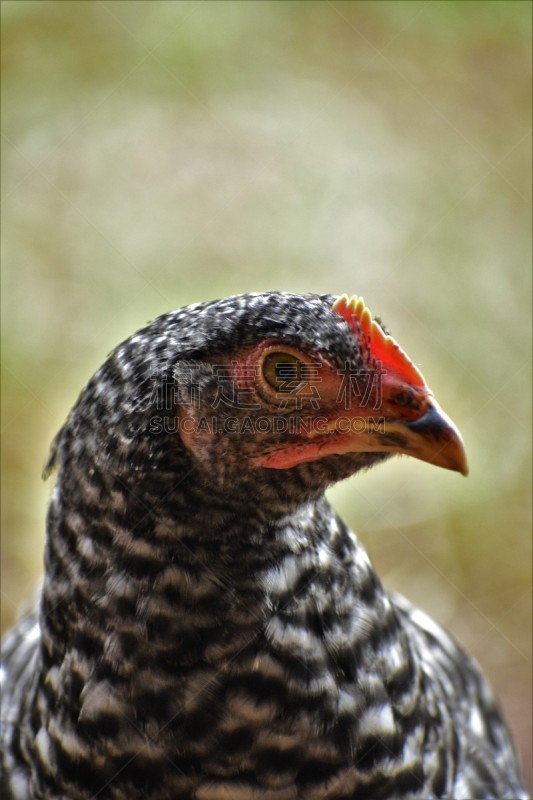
377	332
341	302
366	320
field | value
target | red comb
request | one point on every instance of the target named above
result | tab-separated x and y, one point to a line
383	348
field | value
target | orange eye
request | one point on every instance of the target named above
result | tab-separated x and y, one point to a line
282	371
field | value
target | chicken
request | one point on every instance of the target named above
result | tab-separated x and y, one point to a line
208	628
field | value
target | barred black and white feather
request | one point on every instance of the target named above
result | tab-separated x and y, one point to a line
210	631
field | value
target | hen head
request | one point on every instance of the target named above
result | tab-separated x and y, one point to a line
281	391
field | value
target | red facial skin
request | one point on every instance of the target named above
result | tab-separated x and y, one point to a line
405	411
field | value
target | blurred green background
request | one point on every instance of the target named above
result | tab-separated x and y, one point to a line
159	153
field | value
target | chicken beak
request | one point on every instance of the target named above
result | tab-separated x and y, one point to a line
433	437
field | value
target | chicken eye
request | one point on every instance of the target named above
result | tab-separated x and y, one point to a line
282	371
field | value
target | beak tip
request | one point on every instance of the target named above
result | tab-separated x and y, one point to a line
455	453
442	444
456	459
460	461
455	462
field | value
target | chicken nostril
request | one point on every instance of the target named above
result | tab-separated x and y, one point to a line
405	398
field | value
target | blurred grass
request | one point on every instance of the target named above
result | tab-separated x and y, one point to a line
158	153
